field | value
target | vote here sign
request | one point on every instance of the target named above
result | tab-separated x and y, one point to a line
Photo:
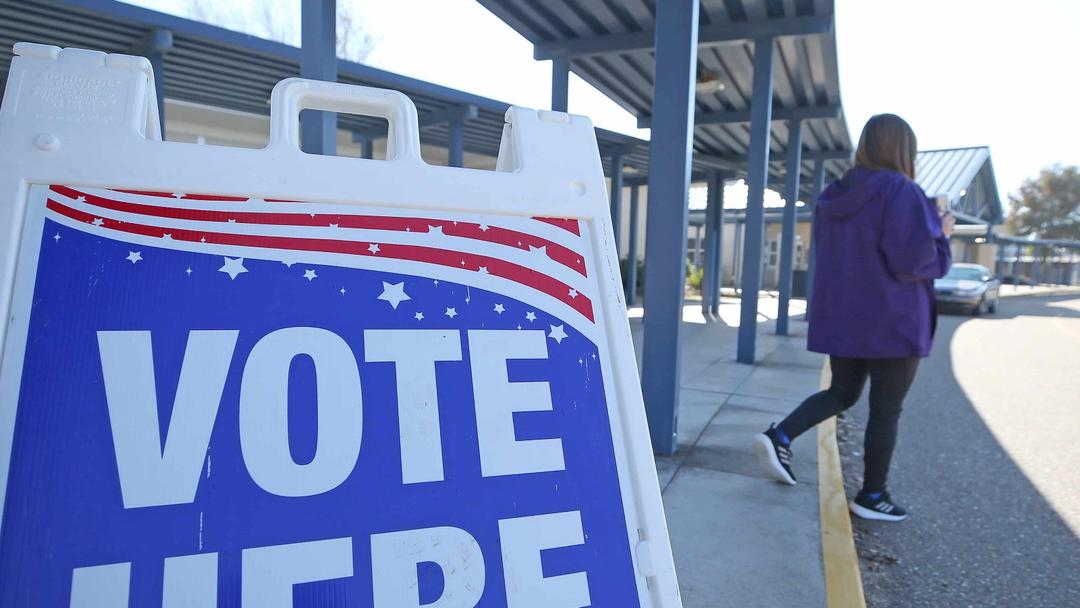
230	401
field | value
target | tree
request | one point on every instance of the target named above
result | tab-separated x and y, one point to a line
279	20
1048	206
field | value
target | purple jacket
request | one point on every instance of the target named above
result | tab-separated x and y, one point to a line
879	247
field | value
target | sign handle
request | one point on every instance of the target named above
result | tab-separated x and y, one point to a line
292	95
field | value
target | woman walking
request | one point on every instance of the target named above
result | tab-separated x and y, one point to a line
880	244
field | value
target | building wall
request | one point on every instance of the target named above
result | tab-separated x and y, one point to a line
199	124
974	253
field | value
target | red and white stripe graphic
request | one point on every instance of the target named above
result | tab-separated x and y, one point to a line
543	254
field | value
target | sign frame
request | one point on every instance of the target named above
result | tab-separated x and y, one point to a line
548	165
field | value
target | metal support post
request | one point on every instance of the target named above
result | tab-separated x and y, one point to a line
818	187
632	246
616	197
736	262
708	274
757	176
318	60
155	45
366	143
718	264
455	147
787	232
560	84
695	251
667	214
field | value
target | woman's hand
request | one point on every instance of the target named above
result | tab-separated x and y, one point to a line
948	223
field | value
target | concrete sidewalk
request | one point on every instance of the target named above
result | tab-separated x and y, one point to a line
740	539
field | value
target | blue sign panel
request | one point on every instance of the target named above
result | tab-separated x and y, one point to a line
231	402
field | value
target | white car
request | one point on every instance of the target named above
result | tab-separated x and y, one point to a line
970	286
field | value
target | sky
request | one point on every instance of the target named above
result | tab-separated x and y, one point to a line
962	72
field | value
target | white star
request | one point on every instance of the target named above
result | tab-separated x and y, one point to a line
462	262
373	248
542	250
557	333
188	271
98	221
309	274
177	195
484	227
394	294
580	361
419	316
451	312
81	199
499	308
56	237
333	225
133	256
483	270
202	240
342	291
233	267
530	316
167	236
573	293
436	282
433	230
519	327
594	355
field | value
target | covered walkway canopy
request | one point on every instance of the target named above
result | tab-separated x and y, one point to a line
200	63
211	66
1053	261
611	46
965	178
750	87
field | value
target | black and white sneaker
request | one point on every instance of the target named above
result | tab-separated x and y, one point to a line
775	457
881	508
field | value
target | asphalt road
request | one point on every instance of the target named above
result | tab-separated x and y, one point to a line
988	463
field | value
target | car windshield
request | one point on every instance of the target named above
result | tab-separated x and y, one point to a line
964	274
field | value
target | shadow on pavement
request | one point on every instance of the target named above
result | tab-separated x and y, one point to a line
981	532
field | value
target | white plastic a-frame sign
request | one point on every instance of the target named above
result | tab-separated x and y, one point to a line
263	378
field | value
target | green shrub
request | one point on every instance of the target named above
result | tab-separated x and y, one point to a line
694	276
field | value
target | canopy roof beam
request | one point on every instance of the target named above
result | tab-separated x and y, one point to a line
613	150
708	36
426	120
743	116
737	164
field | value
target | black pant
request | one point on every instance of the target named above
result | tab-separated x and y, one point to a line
890	380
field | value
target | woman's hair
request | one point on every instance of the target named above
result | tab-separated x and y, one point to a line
887	142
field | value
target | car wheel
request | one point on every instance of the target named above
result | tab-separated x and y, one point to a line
978	308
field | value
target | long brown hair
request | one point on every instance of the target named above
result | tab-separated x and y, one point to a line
887	142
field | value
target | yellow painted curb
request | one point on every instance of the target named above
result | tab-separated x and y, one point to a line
843	582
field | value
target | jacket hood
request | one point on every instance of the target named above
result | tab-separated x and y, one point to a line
846	196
